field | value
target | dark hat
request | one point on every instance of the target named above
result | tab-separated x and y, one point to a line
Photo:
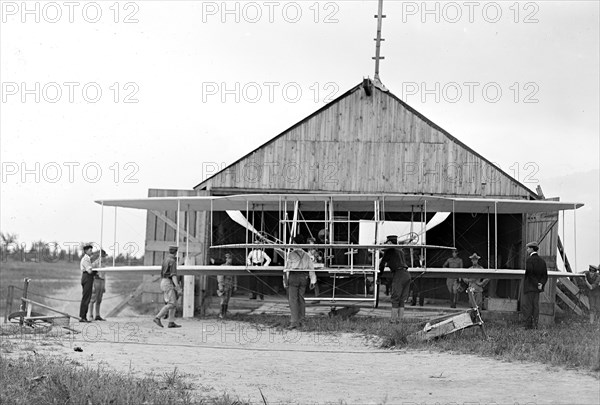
173	249
392	238
474	256
103	253
86	247
532	245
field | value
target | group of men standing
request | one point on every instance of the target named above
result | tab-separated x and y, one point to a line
536	276
299	273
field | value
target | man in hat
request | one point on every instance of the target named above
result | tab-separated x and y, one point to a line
393	259
226	284
87	281
257	257
170	287
477	284
536	275
99	287
592	281
453	284
298	269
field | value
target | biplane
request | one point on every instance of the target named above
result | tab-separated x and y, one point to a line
349	231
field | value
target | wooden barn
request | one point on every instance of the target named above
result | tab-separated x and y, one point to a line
367	141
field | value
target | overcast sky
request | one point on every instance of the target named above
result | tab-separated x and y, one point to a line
104	101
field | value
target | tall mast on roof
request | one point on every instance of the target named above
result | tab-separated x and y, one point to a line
380	16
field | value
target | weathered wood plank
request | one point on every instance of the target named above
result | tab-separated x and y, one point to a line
568	301
569	285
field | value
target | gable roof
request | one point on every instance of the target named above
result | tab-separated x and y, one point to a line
350	97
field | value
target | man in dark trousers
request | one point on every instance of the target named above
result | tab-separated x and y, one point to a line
536	276
393	258
297	270
87	282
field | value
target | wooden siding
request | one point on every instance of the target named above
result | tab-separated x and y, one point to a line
368	144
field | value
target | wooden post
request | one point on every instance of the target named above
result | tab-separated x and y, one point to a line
202	296
188	291
9	300
23	302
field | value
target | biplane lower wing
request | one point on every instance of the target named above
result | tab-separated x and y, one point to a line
480	273
277	270
325	246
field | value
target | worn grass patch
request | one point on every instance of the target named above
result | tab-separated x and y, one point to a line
39	379
571	342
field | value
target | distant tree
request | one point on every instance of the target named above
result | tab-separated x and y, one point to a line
7	238
9	245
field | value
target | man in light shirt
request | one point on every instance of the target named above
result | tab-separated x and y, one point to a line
257	257
298	268
87	282
169	285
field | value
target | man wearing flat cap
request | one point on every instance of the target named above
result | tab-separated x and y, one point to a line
536	276
169	285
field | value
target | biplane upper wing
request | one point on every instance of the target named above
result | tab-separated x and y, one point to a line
343	202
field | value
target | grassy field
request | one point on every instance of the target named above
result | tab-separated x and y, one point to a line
39	380
48	278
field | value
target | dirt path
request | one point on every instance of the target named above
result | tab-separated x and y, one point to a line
295	367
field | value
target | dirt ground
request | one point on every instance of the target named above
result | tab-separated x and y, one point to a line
309	368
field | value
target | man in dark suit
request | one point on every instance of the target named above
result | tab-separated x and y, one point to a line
536	276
